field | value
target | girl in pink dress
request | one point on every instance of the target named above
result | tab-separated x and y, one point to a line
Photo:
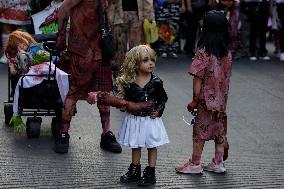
211	68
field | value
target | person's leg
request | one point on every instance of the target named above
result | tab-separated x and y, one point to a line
108	140
219	152
120	38
192	25
152	156
193	166
217	163
263	19
254	26
6	29
136	155
197	151
136	34
105	117
280	11
76	90
173	19
102	81
149	176
134	171
62	140
67	113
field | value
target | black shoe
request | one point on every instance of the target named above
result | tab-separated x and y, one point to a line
109	143
61	143
148	178
133	174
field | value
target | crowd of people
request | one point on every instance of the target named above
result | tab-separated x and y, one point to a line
178	23
214	33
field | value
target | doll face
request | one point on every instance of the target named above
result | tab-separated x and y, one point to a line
147	65
23	46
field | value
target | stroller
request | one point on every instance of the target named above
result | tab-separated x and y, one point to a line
40	100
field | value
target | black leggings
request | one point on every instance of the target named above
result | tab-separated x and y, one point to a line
258	13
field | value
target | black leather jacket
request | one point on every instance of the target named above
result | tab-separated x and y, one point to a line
153	90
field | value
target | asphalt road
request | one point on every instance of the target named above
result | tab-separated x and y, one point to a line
255	132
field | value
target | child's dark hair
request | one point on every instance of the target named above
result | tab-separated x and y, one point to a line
215	34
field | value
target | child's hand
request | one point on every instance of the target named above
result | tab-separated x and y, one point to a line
154	114
192	105
92	97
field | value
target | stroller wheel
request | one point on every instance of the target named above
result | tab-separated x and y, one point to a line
33	127
8	111
55	126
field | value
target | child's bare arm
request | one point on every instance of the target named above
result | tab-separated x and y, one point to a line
196	92
196	87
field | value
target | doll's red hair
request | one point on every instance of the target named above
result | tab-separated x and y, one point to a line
15	38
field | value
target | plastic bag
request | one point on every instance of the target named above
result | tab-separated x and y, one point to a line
150	31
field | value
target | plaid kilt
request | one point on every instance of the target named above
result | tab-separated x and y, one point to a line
88	75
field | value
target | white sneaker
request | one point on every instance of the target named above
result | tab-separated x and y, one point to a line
281	57
253	58
4	59
216	168
174	55
264	58
164	55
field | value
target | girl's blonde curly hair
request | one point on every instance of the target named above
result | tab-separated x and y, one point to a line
15	38
133	59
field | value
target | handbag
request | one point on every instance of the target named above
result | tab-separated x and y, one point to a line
107	40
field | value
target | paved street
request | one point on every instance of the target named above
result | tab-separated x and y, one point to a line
255	133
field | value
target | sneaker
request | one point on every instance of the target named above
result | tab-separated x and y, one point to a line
264	58
61	143
253	58
189	168
216	168
164	55
109	143
281	57
173	55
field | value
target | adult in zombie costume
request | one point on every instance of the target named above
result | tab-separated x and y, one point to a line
89	72
126	18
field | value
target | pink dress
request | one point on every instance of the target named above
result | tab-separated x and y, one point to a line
215	74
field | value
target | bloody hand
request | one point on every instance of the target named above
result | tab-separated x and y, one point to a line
192	105
139	106
92	97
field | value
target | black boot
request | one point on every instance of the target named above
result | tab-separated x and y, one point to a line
133	174
61	143
109	143
148	178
